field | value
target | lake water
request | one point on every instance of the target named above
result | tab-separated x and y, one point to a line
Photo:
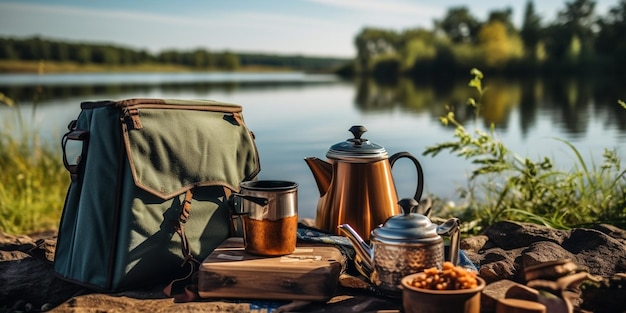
295	115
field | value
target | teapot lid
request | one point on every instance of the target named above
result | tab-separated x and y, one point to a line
407	227
357	149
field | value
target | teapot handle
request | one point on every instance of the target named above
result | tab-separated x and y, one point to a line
418	166
452	228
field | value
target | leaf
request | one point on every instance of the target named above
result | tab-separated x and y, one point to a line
476	72
476	84
444	120
6	100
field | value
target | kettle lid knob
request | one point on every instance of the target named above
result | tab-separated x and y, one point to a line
358	131
407	205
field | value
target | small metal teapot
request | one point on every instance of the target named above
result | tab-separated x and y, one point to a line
405	244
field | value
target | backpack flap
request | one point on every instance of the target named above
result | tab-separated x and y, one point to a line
176	145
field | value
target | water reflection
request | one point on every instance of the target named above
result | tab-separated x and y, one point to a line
568	102
571	103
293	119
39	93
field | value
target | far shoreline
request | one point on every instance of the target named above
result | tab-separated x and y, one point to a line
43	67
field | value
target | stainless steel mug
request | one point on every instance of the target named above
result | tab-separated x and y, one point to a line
270	216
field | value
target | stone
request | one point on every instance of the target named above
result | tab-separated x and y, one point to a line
474	244
544	251
511	235
512	246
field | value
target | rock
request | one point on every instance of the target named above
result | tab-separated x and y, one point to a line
474	244
497	263
614	232
512	235
602	254
543	251
513	246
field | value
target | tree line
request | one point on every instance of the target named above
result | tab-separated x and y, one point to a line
38	49
577	42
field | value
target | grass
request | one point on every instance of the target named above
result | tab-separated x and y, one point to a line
33	180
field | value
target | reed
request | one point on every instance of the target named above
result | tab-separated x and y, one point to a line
33	180
506	186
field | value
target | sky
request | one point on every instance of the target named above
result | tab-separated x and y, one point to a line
305	27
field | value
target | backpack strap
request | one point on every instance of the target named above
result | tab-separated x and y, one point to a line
179	226
190	292
185	209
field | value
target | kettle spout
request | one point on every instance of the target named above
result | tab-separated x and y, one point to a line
322	172
364	259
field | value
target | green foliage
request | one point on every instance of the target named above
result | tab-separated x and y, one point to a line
531	31
36	49
576	42
372	43
459	25
506	186
34	182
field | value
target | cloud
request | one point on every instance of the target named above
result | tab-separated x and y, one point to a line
385	7
25	9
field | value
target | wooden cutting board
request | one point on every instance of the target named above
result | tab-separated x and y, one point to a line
311	272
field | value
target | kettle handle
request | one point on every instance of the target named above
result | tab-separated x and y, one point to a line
452	228
418	166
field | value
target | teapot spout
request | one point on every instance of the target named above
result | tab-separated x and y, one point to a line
364	260
322	172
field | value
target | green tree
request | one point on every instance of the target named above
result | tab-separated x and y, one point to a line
81	54
578	20
459	25
531	31
34	49
105	55
505	17
8	50
416	45
170	57
60	51
611	39
497	45
199	58
228	60
373	42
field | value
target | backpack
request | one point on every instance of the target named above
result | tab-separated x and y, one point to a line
149	189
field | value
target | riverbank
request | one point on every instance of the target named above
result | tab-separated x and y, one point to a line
501	255
42	67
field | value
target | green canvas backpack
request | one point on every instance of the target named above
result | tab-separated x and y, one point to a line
149	188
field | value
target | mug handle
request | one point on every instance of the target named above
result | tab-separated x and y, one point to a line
235	202
418	166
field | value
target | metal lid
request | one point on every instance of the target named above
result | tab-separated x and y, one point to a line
357	149
408	227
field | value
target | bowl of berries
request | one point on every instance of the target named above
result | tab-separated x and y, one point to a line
449	289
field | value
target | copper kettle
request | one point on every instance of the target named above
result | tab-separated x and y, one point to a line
356	184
